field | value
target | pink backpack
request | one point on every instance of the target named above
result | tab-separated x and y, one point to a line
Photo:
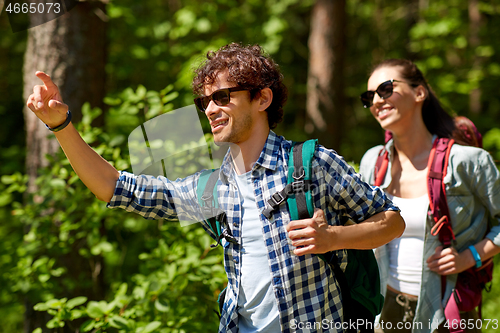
467	294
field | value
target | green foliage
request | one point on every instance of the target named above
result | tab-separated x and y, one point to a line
491	142
491	301
158	276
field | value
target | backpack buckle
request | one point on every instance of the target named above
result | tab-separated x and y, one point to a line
207	211
277	199
298	186
228	237
298	173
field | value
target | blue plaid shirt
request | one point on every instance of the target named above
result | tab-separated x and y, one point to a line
305	288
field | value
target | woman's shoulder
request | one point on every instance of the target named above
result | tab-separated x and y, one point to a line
467	154
371	155
368	161
468	160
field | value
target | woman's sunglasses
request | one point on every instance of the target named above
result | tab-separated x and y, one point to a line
220	97
384	90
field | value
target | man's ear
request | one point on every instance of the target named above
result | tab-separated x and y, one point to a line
265	99
420	93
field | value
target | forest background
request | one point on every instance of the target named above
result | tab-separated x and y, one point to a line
69	264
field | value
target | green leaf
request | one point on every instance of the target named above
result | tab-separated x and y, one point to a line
44	277
162	304
57	183
87	325
170	97
55	322
112	101
151	327
76	301
56	303
41	307
96	310
5	199
37	330
141	90
8	179
119	322
117	140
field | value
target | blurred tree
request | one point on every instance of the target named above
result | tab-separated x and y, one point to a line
72	50
325	83
153	44
475	41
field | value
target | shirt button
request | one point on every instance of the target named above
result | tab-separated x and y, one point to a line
236	260
235	224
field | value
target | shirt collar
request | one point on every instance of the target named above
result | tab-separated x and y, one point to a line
268	157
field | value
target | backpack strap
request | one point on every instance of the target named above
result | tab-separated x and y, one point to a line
300	206
298	183
208	200
299	173
381	167
439	211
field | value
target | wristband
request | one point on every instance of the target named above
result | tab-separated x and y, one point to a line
63	125
476	256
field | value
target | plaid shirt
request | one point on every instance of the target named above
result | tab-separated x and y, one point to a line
305	288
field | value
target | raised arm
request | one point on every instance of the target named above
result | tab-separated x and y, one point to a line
94	171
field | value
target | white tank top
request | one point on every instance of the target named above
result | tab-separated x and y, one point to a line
406	252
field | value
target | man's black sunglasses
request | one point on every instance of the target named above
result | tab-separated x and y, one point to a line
384	90
220	97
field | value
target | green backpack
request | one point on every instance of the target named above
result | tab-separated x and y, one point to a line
359	284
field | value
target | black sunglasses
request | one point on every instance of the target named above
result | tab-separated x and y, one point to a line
220	97
384	90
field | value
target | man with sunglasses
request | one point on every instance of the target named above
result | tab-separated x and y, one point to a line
275	282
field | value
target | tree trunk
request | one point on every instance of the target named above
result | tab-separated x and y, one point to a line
325	83
474	42
71	49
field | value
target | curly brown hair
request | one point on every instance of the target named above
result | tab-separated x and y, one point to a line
250	68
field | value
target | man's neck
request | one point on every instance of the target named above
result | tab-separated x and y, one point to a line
246	153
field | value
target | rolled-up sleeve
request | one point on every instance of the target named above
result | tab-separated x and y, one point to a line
352	196
157	197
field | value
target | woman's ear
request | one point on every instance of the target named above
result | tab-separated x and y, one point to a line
420	93
266	98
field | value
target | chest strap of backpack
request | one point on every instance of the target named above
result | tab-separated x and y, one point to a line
436	170
297	190
439	211
207	198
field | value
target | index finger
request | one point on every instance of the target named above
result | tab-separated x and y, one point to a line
436	255
46	79
297	224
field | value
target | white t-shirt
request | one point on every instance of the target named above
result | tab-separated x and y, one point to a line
257	306
406	252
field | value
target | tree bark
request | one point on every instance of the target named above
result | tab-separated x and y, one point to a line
474	42
71	49
325	83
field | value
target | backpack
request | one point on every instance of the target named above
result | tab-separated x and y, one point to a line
467	294
359	283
